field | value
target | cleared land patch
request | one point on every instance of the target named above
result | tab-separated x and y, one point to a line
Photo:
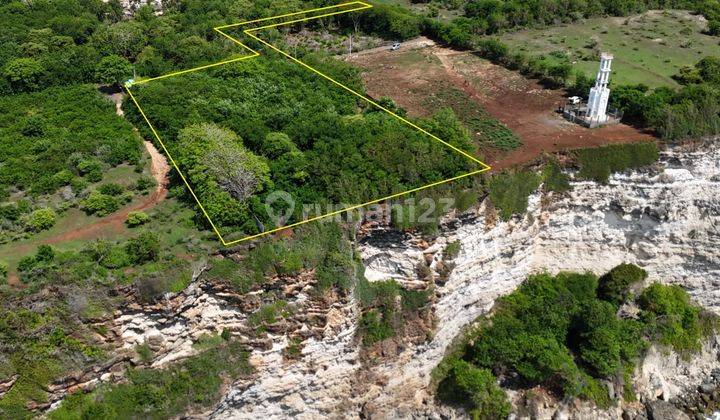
422	80
649	48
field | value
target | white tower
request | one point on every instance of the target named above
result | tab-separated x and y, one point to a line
597	102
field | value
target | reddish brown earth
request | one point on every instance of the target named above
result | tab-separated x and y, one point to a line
113	224
523	105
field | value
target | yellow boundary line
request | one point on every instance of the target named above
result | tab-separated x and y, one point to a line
359	5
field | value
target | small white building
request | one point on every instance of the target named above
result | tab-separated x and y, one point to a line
595	112
599	94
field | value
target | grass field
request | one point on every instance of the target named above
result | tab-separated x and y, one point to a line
648	48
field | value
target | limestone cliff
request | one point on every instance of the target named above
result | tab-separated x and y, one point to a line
665	219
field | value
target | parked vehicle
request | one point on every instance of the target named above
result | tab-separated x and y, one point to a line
395	46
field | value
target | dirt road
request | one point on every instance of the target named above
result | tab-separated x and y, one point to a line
113	224
413	44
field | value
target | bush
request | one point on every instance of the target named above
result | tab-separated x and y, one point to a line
670	317
555	332
111	189
100	204
597	164
137	218
614	285
269	314
375	327
452	250
144	183
42	219
3	272
509	192
554	179
475	389
166	393
143	248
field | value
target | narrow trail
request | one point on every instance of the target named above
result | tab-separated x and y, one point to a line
114	223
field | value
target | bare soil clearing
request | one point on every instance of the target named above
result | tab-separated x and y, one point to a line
413	78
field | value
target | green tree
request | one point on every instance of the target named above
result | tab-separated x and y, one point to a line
236	170
599	334
709	69
125	39
614	285
277	144
113	69
24	73
475	389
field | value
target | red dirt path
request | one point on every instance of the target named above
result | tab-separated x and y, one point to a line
114	223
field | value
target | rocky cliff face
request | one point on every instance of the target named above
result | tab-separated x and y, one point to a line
665	219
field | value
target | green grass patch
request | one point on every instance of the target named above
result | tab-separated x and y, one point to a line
509	192
597	164
648	48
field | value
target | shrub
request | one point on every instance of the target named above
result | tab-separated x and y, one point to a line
554	179
100	204
375	327
45	253
166	393
452	250
111	189
464	200
269	314
670	317
475	389
143	248
553	331
614	285
91	169
597	164
137	218
42	219
227	270
3	272
598	329
144	183
509	192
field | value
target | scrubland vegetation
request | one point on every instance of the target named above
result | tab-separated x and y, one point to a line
285	129
565	333
292	131
162	393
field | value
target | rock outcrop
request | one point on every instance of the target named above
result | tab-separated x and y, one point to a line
665	219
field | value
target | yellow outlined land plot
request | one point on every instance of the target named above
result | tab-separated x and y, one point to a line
289	19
